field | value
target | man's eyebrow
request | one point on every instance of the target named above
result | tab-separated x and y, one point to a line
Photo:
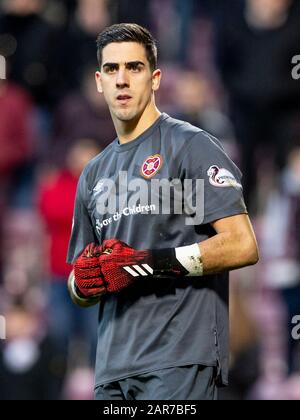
110	64
130	63
135	63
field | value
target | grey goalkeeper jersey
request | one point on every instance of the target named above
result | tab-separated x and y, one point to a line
161	190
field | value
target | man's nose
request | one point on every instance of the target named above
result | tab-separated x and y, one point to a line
122	78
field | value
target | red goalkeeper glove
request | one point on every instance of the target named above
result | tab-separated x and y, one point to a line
122	265
114	266
89	280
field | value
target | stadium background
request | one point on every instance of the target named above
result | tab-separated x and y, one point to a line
228	69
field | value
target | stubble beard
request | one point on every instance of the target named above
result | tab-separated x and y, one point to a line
126	115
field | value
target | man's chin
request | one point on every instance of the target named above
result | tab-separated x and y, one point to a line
125	115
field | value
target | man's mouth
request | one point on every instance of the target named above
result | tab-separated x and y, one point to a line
123	99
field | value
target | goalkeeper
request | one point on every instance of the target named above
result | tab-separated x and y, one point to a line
162	283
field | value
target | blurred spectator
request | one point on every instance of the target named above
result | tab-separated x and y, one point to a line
185	40
280	248
168	34
16	118
29	367
133	11
256	40
30	45
195	103
78	45
80	384
16	129
244	344
83	113
56	202
187	11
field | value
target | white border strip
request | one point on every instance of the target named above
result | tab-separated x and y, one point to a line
2	67
2	328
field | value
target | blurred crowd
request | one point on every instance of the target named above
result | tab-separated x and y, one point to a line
225	69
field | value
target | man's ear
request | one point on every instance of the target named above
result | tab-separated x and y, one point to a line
156	79
98	81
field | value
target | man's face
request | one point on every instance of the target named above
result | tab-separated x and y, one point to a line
23	7
270	7
126	80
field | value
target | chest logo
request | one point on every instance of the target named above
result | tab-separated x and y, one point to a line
151	166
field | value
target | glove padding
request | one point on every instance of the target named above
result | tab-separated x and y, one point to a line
114	266
122	265
88	276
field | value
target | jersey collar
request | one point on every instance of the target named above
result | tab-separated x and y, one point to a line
136	142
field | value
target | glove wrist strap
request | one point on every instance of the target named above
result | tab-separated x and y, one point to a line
190	258
183	261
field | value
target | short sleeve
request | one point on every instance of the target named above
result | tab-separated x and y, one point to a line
205	159
82	232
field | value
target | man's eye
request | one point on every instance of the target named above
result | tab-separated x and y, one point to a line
110	70
135	68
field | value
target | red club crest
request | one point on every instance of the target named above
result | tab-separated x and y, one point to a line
151	166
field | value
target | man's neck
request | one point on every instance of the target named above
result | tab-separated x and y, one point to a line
128	131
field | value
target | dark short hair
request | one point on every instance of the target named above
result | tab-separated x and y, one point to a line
128	32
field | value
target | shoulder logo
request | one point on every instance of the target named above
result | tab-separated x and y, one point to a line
151	166
222	178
